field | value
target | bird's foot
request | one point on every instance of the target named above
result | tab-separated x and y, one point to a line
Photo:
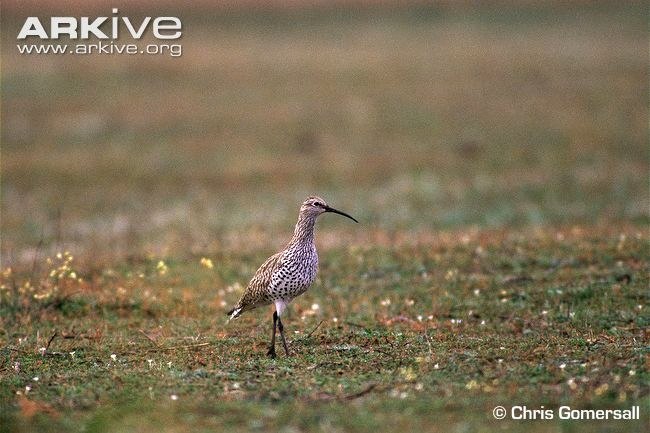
271	352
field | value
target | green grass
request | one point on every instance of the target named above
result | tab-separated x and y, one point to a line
496	159
408	334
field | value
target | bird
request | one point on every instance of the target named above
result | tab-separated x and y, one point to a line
288	273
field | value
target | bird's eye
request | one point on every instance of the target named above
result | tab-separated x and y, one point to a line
317	203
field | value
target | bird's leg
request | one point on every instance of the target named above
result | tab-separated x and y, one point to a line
271	351
284	342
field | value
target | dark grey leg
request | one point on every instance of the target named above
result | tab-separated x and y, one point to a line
271	351
284	342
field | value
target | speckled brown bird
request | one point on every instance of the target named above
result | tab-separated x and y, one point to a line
288	273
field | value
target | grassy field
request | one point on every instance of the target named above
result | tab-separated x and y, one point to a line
412	335
496	158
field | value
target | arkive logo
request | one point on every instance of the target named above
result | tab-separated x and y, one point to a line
103	29
82	28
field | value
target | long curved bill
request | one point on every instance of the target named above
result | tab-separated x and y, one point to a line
331	209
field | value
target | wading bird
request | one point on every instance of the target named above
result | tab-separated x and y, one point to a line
288	273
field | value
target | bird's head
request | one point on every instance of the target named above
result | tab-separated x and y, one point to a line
315	206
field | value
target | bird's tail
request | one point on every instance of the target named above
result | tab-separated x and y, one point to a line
234	313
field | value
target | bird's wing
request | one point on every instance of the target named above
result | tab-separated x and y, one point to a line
258	285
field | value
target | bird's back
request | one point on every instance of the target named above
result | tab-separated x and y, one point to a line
256	292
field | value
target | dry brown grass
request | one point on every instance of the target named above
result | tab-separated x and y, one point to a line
409	120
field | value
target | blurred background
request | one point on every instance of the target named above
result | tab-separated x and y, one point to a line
414	117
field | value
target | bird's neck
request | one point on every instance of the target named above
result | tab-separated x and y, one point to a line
304	231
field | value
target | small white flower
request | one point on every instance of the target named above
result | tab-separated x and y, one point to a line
482	322
436	366
315	307
27	389
42	350
544	313
35	379
562	366
632	373
173	397
420	317
114	357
